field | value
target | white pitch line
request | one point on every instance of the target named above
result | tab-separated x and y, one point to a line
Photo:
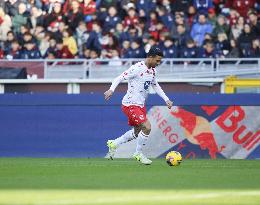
78	200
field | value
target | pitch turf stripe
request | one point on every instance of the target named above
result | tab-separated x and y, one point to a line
80	197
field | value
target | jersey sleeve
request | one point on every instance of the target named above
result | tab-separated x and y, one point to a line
157	88
126	75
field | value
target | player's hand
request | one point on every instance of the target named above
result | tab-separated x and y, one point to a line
169	104
108	94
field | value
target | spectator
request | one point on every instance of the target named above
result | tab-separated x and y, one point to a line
45	44
169	49
190	50
167	5
130	35
52	49
94	38
55	17
222	44
165	17
234	50
51	56
15	51
38	33
86	53
131	18
254	23
58	31
208	37
94	54
5	25
160	28
108	43
208	50
34	3
63	51
180	6
30	51
136	50
111	20
221	26
26	38
24	29
149	42
8	42
255	48
237	29
241	6
81	36
179	20
191	16
162	38
67	6
212	18
218	5
89	9
20	19
182	36
151	24
200	29
146	6
36	18
141	27
251	51
245	39
143	15
115	59
74	15
11	7
70	42
257	6
125	49
233	17
202	6
1	53
107	3
119	30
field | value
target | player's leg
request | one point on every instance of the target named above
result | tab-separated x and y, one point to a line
126	137
143	135
113	144
141	142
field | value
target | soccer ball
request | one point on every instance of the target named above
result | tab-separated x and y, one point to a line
173	158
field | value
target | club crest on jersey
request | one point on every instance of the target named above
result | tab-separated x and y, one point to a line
147	84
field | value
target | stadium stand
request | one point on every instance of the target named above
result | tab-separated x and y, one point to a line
113	29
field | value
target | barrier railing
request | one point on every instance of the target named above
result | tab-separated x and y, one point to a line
109	68
73	85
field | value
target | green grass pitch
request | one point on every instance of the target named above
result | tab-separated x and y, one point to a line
80	181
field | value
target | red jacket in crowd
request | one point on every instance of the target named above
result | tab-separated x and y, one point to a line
241	6
90	8
64	53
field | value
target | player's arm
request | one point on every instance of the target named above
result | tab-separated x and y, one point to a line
130	73
157	88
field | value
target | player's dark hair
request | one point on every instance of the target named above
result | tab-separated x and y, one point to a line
154	51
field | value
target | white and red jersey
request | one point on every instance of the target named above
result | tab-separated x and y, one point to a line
139	77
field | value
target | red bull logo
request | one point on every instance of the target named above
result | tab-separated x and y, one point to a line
198	131
231	121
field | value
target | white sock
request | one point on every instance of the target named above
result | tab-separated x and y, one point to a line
128	136
141	141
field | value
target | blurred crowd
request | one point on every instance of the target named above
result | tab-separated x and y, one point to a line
113	29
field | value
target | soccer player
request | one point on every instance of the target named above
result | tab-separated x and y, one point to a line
140	76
